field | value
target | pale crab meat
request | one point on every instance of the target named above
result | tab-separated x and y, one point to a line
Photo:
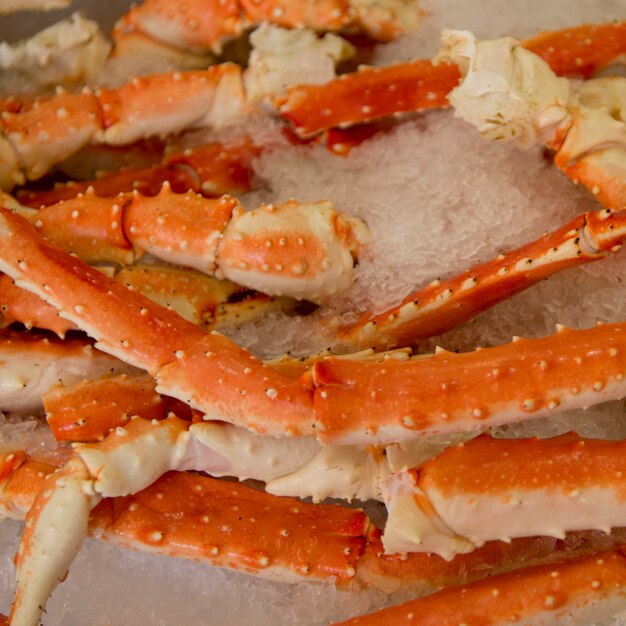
281	56
70	51
509	93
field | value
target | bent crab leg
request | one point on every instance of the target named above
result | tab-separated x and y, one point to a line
372	92
584	591
305	250
444	304
206	370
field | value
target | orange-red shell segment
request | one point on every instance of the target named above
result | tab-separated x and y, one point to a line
450	392
551	591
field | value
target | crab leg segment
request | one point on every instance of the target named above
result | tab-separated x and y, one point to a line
303	250
206	370
585	591
48	131
501	488
55	528
369	94
358	402
88	410
581	51
442	305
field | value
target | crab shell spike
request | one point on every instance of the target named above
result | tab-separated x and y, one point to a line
529	486
586	590
302	250
183	229
137	110
147	181
369	94
197	26
440	306
53	130
87	411
182	357
88	226
357	402
581	51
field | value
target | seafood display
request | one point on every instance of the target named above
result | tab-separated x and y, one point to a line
385	394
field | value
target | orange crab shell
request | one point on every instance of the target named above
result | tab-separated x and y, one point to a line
546	592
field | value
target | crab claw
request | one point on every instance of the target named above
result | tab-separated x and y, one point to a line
57	522
306	250
55	529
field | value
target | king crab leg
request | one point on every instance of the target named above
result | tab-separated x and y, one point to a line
373	92
303	250
444	304
353	402
586	590
182	514
203	300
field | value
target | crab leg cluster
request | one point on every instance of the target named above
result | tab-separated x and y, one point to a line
332	426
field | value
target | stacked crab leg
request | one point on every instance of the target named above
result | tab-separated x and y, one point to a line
273	404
